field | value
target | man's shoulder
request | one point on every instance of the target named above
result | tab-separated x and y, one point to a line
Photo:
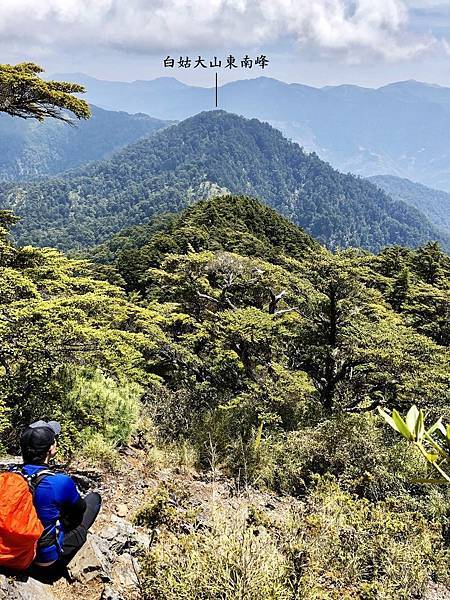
63	486
59	479
61	483
46	473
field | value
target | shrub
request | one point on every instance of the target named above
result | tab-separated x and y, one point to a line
352	548
169	506
366	458
330	546
97	450
228	561
97	404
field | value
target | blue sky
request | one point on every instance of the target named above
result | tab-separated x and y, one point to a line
317	42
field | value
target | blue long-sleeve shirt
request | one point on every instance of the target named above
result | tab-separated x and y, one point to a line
55	496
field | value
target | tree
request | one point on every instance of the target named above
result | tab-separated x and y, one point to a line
358	353
431	264
24	94
400	289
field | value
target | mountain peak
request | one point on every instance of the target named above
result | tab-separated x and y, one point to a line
412	84
212	153
169	82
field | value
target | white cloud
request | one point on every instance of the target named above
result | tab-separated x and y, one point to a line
355	28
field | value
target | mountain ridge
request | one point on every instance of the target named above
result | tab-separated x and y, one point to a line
435	204
34	149
401	128
209	154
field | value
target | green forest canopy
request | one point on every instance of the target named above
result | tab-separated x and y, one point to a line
260	343
241	313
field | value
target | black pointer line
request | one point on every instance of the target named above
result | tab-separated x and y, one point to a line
216	90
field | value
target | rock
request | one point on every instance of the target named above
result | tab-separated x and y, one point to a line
110	593
26	589
93	561
7	461
86	483
121	510
122	535
126	570
436	591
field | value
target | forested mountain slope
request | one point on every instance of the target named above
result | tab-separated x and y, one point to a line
401	128
434	204
30	149
220	350
213	152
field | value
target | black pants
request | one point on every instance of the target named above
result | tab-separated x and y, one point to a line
76	538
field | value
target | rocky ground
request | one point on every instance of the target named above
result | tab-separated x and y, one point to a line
105	567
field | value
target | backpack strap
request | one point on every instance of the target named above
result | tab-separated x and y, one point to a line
35	479
50	533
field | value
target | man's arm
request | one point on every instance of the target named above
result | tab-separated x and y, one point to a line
72	505
72	515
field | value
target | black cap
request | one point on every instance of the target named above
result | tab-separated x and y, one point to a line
38	437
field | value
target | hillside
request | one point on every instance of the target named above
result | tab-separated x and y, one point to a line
434	204
217	381
400	128
30	149
226	223
209	154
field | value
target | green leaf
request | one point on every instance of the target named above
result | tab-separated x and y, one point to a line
411	418
431	457
401	425
438	426
420	426
389	420
442	472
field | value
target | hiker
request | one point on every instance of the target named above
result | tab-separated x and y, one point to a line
63	513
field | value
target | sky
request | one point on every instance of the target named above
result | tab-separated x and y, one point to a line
315	42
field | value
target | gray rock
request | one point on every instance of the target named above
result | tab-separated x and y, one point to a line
110	593
436	591
126	570
122	536
93	561
121	510
28	589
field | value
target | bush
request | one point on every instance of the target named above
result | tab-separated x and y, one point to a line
330	546
169	506
97	404
355	549
229	561
97	450
357	449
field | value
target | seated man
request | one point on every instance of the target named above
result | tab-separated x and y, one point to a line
65	515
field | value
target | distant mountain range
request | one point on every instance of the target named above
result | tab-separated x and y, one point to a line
434	204
30	149
401	129
210	154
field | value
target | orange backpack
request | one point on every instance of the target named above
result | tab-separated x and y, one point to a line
20	527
